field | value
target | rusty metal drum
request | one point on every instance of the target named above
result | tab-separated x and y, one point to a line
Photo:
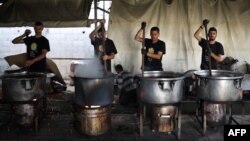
93	121
163	118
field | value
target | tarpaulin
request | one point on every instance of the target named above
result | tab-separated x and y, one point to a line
53	13
178	20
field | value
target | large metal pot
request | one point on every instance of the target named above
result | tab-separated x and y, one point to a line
23	86
161	87
94	91
221	86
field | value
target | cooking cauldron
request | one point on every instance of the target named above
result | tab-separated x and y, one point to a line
94	91
161	87
23	86
221	86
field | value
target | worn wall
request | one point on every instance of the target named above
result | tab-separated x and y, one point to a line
66	44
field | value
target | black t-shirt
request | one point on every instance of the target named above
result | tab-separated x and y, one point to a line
150	63
34	49
99	50
216	48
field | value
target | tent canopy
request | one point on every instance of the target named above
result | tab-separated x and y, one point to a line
53	13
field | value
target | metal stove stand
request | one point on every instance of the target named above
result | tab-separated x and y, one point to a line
39	104
200	111
177	119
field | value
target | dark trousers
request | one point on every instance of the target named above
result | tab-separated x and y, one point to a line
127	98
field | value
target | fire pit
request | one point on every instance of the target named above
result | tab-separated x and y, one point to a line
215	92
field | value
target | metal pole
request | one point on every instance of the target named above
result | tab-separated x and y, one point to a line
104	9
143	55
142	108
95	12
104	47
179	123
209	56
204	119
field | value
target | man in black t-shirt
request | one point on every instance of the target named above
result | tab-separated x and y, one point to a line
210	48
153	51
104	47
215	50
37	48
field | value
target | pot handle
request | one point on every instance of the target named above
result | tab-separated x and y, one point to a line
237	83
201	82
162	85
27	84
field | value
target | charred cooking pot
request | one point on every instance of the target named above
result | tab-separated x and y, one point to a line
23	86
221	86
161	87
94	91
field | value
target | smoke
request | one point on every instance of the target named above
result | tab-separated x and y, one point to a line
90	69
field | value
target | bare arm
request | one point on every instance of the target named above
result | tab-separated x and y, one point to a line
109	57
138	36
155	56
92	35
218	58
19	39
38	58
197	33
